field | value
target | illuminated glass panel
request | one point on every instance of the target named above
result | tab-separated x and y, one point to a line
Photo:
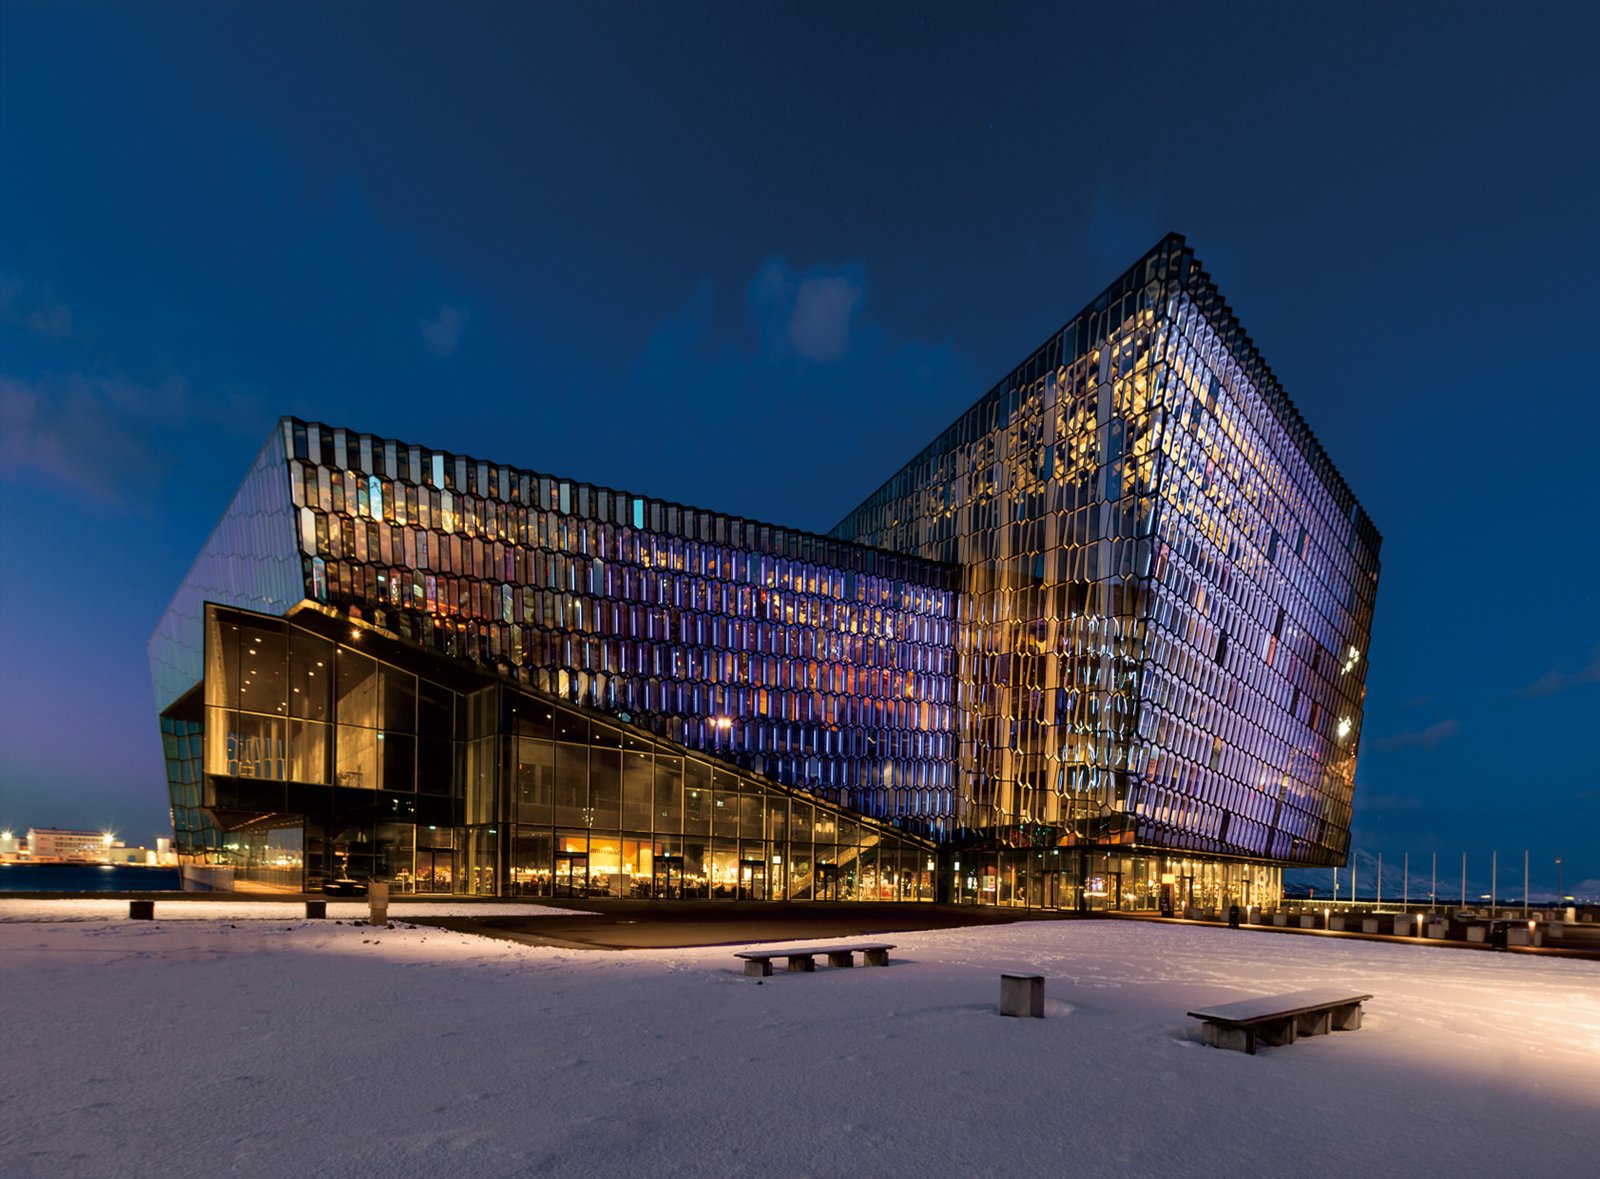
815	663
1124	602
1168	589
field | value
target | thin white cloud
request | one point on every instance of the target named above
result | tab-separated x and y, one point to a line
442	333
829	356
54	320
824	306
36	312
1556	680
812	316
105	437
1429	738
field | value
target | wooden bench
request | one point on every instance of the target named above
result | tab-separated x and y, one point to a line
758	963
1280	1019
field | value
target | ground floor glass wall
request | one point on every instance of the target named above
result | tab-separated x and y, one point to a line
333	753
1089	880
593	808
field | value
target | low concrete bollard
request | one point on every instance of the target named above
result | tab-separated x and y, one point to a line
1369	925
316	910
1336	923
141	910
1555	930
1307	921
1280	919
1475	933
377	903
1439	929
1022	994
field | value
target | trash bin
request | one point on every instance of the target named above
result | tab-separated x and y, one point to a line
1497	935
1233	916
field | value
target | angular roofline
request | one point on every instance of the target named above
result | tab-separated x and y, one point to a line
1195	281
1001	386
949	572
275	435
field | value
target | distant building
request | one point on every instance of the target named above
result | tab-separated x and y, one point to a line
1101	644
54	843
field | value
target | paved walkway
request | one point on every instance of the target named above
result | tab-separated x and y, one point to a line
642	925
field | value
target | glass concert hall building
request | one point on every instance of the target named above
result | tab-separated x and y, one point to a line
1101	644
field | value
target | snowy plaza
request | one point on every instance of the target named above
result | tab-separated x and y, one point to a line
235	1038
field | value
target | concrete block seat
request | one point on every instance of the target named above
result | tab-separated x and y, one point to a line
802	959
1280	1019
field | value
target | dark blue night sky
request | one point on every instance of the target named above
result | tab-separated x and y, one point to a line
753	257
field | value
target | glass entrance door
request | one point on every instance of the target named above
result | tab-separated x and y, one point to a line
572	874
1051	894
436	869
752	880
827	882
666	877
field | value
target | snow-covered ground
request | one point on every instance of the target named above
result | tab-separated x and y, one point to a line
97	909
216	1046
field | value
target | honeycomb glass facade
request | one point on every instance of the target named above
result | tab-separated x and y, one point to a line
817	663
1167	588
1106	634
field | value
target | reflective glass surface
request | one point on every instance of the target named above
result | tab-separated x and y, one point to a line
525	795
250	560
815	663
1120	608
1168	589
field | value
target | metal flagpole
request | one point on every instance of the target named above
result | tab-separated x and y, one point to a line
1433	891
1380	881
1524	884
1405	895
1463	880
